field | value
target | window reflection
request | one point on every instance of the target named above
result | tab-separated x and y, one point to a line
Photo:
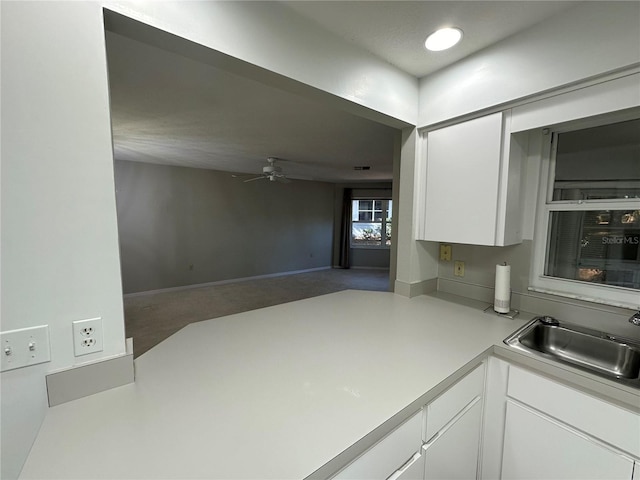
598	246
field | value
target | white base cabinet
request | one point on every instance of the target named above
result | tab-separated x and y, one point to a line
453	455
441	442
387	456
453	426
508	424
538	448
542	429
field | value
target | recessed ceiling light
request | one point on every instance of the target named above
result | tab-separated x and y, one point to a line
443	39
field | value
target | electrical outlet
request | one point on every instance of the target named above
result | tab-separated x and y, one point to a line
458	269
445	252
87	336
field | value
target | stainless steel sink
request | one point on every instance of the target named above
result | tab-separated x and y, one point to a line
600	353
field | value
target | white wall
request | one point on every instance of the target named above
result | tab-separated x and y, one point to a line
184	226
59	241
589	39
416	261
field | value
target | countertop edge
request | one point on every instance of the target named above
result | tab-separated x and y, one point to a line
623	396
329	469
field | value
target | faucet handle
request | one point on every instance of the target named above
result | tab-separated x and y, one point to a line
635	318
548	320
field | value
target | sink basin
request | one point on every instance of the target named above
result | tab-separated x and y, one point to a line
597	352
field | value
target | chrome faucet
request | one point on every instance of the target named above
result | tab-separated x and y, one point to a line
635	318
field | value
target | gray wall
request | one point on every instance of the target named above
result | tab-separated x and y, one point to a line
480	264
370	258
183	226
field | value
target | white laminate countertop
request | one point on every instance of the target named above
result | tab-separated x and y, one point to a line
274	393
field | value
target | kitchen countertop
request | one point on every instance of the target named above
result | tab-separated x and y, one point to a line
272	393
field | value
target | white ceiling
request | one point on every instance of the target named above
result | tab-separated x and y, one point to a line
171	110
396	30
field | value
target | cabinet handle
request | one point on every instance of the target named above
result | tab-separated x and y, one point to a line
449	424
416	456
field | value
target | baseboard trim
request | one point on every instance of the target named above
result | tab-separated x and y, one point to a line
356	267
468	290
223	282
414	289
86	380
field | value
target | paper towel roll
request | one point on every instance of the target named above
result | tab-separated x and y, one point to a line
502	298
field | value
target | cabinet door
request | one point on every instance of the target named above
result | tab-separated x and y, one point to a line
538	448
463	179
453	454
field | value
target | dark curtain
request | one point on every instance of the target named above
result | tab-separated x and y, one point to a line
345	231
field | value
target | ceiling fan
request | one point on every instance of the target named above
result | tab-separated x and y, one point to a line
271	172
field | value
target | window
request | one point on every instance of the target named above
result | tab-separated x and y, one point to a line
587	241
371	223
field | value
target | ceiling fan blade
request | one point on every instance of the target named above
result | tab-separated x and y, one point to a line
283	180
252	179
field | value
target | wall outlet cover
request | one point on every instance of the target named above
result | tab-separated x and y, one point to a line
445	252
87	336
458	269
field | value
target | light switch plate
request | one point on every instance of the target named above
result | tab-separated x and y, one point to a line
25	347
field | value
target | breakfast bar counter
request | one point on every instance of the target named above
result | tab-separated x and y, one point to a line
284	392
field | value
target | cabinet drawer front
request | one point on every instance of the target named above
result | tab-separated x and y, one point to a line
451	402
605	421
388	455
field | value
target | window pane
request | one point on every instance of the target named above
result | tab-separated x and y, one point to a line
598	163
597	246
366	234
370	223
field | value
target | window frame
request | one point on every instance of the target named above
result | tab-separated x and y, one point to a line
539	282
386	210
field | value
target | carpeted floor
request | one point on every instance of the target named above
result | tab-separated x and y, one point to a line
151	318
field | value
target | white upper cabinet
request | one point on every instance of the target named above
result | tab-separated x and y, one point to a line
473	184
